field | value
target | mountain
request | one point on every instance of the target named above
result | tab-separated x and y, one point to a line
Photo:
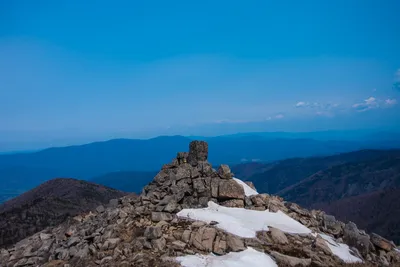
129	181
276	176
346	180
380	138
188	211
49	204
363	192
21	172
377	212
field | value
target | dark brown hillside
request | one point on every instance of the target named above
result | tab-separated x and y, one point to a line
377	212
346	180
363	192
49	204
276	176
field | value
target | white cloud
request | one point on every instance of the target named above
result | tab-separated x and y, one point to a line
279	116
369	103
390	102
301	104
374	103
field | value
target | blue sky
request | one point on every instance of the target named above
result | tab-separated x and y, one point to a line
77	71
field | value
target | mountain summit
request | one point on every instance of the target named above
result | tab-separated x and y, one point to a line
193	215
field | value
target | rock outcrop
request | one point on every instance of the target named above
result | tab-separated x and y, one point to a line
148	230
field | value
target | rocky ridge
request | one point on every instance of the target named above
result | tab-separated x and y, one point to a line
49	204
146	230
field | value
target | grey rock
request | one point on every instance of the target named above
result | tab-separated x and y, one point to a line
206	169
248	202
186	236
73	241
184	171
159	244
62	254
229	189
200	186
73	251
278	236
105	260
214	187
112	243
4	255
44	236
171	206
113	203
224	172
203	239
152	232
178	245
260	200
381	242
198	151
321	245
234	243
289	260
353	237
220	246
161	216
331	224
100	209
233	203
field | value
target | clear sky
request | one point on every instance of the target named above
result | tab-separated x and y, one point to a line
77	71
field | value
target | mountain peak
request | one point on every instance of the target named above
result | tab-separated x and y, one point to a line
190	210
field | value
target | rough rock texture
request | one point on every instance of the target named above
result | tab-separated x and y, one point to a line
145	231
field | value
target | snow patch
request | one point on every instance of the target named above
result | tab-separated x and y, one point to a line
244	222
246	258
340	250
248	191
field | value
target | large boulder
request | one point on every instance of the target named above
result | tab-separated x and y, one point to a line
356	238
203	239
331	225
278	236
381	242
285	260
224	172
229	189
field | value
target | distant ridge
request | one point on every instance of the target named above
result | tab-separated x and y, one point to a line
21	172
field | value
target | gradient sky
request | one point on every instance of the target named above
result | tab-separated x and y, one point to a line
78	71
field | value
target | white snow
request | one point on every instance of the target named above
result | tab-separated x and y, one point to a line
340	250
244	222
248	191
247	258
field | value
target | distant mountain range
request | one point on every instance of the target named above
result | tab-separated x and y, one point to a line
141	158
129	181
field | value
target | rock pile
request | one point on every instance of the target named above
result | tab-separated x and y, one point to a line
146	231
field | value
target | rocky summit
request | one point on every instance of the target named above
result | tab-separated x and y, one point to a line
194	215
